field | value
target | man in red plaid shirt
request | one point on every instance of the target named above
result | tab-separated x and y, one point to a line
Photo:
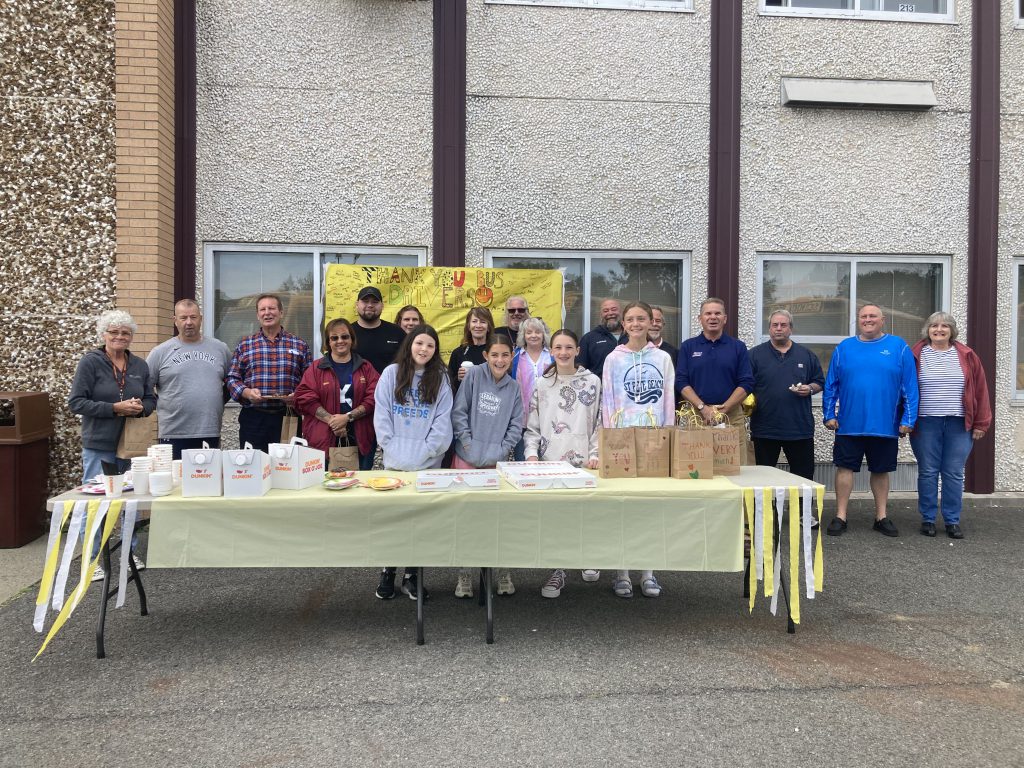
264	372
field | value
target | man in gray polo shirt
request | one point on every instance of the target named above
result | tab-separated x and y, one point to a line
187	371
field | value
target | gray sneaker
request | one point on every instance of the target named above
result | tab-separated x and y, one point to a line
554	585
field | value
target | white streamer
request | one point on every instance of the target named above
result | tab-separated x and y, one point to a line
60	585
780	506
131	510
808	518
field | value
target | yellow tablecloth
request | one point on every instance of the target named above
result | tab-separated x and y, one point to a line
659	523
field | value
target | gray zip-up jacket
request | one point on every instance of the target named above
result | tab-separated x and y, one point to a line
94	392
487	417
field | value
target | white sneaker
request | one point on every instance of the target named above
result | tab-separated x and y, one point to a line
465	586
139	564
505	585
554	585
589	574
98	574
650	587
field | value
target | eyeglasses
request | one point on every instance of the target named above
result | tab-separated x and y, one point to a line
517	310
340	338
127	334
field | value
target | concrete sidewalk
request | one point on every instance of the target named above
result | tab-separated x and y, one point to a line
913	655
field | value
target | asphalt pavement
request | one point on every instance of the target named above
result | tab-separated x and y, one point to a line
913	655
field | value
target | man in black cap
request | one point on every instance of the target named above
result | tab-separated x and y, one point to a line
377	340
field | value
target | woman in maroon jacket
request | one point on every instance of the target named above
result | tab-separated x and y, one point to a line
335	396
953	412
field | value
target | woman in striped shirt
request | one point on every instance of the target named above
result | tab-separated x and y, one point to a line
954	411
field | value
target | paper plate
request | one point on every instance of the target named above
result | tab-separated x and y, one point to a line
383	483
340	484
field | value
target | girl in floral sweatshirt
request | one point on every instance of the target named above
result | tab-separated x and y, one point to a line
636	391
561	424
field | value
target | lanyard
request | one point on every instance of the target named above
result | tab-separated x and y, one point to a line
120	374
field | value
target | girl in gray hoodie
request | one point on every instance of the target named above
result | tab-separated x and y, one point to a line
412	420
487	419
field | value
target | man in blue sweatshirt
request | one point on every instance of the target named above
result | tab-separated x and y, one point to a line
873	380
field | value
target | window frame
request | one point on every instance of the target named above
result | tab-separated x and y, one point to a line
1018	14
853	259
588	256
317	254
666	6
828	13
1018	267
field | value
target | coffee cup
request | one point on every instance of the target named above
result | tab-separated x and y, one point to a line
113	485
140	480
176	472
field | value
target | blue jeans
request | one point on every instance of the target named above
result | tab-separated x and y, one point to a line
941	445
91	467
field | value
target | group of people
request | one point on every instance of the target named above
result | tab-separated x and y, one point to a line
522	391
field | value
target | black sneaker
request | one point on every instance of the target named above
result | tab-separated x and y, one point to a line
928	529
885	527
409	587
954	531
386	588
837	527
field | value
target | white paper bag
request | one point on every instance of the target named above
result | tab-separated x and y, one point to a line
202	473
246	472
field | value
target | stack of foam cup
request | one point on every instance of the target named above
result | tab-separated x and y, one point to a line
141	467
160	478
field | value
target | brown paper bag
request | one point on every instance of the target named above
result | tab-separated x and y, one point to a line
653	451
727	450
343	457
693	454
290	426
136	436
617	452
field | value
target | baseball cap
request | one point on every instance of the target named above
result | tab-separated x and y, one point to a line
370	291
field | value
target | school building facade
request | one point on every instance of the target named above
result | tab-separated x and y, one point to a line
809	154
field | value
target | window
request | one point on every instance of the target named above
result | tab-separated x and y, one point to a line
1019	15
1018	340
825	291
917	10
625	5
659	278
235	274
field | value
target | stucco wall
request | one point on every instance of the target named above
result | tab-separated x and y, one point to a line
1010	419
587	128
851	181
314	122
56	201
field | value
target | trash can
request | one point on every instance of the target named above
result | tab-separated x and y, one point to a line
25	429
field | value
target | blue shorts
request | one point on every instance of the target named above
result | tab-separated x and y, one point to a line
848	450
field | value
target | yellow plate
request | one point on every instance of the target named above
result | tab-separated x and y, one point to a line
383	483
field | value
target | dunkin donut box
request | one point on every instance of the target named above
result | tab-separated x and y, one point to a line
457	480
246	472
545	475
201	472
295	465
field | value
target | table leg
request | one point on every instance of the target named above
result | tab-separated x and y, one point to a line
101	652
481	598
419	607
490	607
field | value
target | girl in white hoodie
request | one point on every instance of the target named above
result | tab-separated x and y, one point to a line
561	424
636	391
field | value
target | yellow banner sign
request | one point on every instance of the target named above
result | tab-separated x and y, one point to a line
445	294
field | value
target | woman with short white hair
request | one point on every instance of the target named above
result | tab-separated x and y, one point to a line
532	358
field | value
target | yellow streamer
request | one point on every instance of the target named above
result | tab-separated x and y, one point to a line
819	567
769	544
109	522
748	503
794	554
50	567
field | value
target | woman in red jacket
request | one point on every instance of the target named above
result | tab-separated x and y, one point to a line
335	396
954	411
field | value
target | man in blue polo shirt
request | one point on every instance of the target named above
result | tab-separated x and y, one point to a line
786	374
873	380
713	371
